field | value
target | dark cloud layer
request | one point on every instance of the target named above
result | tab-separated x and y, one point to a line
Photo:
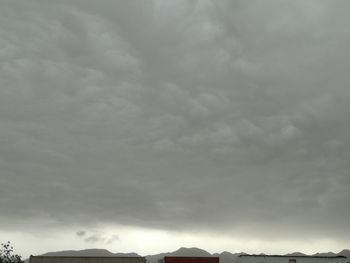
185	115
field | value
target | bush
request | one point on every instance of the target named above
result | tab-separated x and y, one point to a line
6	254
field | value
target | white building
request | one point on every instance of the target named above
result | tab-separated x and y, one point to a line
291	259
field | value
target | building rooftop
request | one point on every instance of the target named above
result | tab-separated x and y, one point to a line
84	257
290	256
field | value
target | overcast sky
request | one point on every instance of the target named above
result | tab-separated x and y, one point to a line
149	125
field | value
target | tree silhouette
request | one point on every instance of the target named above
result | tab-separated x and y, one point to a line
6	254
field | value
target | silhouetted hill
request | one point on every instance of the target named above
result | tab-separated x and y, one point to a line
95	252
225	257
295	254
86	252
325	254
181	252
193	251
345	253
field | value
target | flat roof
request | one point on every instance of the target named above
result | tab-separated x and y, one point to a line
31	256
84	257
290	256
191	257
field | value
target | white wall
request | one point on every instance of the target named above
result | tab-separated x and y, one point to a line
266	259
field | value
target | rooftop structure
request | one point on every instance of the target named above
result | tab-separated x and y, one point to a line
246	258
169	259
79	259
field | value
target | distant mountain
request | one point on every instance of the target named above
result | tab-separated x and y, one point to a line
295	254
86	252
181	252
325	254
345	253
95	252
193	251
225	257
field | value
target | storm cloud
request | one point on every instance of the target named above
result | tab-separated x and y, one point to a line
214	116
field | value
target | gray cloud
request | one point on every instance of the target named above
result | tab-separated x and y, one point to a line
97	237
81	233
185	115
113	239
94	238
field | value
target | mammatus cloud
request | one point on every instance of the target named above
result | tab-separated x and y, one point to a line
182	115
97	237
113	239
81	233
93	239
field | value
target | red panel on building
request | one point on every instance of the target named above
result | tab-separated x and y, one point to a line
191	260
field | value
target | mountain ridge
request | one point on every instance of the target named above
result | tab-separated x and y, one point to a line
225	256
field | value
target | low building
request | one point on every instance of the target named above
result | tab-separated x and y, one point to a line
72	259
290	259
189	260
